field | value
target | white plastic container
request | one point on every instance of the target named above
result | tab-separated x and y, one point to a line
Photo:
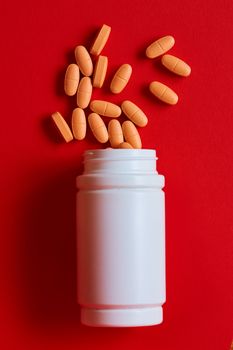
121	239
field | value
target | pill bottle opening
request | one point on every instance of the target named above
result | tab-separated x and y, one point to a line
116	153
122	161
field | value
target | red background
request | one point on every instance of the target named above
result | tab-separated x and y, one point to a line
194	145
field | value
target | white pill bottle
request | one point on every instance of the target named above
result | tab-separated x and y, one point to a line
120	239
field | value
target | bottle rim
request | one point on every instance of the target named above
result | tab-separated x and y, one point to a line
116	153
120	168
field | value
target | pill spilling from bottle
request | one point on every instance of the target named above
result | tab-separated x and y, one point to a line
89	72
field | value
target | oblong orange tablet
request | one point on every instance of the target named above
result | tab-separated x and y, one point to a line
125	145
131	134
62	126
100	71
115	133
134	113
71	79
98	127
79	124
106	109
83	60
101	40
160	46
121	78
176	65
84	92
163	93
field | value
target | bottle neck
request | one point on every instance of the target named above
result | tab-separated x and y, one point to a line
120	161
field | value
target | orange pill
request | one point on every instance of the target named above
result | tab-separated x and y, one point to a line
160	46
84	92
62	126
83	60
131	134
71	79
125	145
115	133
121	78
101	40
163	93
100	71
106	109
134	113
79	124
98	127
176	65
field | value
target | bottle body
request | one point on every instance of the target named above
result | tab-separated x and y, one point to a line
121	239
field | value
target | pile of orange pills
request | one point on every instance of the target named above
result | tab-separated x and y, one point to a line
81	77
